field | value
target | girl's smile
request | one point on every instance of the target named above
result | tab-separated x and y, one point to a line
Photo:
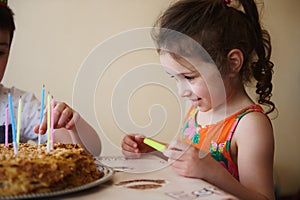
196	102
193	83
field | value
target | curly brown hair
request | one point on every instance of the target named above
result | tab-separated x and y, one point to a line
219	28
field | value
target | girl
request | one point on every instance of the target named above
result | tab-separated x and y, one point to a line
65	117
227	139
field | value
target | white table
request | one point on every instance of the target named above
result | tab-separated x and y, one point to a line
149	168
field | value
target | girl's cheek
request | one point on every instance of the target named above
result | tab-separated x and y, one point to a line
200	88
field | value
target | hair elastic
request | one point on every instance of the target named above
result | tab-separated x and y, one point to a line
236	4
227	2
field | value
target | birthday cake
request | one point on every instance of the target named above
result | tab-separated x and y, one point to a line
34	170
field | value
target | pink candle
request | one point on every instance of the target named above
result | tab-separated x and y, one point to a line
48	122
6	127
52	123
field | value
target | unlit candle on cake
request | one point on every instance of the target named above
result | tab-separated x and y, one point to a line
48	121
52	122
41	114
10	103
19	121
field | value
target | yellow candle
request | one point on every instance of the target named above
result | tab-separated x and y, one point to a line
156	145
19	120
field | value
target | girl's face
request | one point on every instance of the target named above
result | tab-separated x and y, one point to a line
190	83
4	51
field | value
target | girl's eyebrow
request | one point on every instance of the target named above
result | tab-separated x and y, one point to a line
183	73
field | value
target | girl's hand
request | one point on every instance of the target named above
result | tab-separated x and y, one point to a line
64	117
187	160
133	146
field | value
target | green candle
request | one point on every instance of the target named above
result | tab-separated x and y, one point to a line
156	145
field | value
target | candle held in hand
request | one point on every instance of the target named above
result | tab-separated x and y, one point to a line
156	145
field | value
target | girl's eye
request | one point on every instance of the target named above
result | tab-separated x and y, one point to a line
189	77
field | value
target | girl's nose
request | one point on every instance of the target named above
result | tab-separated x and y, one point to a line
184	90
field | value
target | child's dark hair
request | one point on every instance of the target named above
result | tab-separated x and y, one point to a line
219	28
7	20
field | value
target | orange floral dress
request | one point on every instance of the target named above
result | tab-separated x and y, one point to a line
215	138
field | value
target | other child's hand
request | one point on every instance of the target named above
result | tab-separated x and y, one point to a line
64	117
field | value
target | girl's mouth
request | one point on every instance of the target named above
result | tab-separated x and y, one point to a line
196	102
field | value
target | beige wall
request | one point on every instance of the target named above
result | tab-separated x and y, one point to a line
282	20
54	37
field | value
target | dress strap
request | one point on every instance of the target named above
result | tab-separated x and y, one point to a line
256	108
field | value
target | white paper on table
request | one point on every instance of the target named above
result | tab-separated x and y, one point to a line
147	163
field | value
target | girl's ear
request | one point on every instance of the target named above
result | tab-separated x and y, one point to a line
235	60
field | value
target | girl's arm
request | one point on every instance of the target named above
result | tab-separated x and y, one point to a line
255	147
255	150
254	144
80	132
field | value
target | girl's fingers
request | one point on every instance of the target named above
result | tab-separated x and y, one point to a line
139	138
72	122
43	126
62	115
177	150
130	141
64	118
174	154
179	145
36	128
128	154
128	148
174	163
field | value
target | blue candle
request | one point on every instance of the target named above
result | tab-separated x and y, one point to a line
41	114
13	123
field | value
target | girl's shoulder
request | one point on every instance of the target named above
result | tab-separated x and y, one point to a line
255	108
253	112
254	123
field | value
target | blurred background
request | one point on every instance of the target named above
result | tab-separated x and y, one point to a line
54	40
